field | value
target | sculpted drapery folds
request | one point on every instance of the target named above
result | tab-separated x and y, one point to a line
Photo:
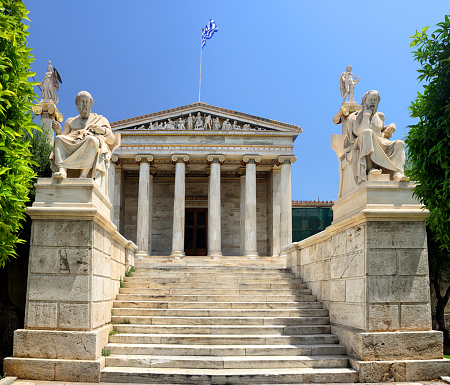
85	143
367	148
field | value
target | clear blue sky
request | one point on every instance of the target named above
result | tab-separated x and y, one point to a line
275	59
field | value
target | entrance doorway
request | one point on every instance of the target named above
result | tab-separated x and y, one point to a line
195	235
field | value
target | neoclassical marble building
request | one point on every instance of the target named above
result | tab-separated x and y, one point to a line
203	180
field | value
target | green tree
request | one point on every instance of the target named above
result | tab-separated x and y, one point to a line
16	98
428	141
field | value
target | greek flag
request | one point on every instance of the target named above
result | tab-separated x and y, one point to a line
208	31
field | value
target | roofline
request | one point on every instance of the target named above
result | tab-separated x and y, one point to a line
137	119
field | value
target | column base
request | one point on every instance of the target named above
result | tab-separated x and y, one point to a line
215	254
250	253
141	254
177	254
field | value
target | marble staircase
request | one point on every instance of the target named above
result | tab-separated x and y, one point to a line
232	320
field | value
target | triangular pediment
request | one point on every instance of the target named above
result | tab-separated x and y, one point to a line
203	117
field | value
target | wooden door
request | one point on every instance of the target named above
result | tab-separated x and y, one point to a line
196	228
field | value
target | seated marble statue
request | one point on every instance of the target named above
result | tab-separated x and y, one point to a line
84	144
367	145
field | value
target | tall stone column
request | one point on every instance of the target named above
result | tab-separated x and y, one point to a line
275	219
143	204
284	162
250	246
241	174
179	205
214	206
118	200
111	182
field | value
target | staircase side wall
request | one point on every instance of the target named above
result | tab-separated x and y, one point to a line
77	259
370	270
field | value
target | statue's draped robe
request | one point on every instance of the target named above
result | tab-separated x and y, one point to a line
83	149
383	152
49	86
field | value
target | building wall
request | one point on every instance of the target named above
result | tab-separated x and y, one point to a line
163	193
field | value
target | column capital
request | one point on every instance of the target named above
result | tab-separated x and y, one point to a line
153	170
115	159
180	158
286	159
144	159
240	171
215	159
251	159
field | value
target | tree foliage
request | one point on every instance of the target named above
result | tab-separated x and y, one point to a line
16	98
428	141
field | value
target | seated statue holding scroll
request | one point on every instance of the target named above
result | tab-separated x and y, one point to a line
367	145
84	144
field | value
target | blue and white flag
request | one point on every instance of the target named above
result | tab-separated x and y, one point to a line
208	31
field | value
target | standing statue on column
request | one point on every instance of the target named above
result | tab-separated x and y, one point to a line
347	84
85	143
50	84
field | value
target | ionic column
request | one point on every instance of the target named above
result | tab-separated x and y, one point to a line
276	210
241	174
250	247
179	205
143	204
111	181
214	206
286	199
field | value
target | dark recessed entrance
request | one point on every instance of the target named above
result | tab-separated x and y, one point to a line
195	236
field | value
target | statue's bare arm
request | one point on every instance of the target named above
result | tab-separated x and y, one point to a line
67	127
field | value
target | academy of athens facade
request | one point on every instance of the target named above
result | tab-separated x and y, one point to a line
225	174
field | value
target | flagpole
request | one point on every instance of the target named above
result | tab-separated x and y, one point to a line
200	81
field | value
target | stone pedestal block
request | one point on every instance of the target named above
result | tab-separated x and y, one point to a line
370	269
76	261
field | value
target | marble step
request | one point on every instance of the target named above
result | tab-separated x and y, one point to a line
131	289
261	330
166	320
210	264
205	283
227	362
233	339
172	273
216	298
219	313
225	350
228	376
155	304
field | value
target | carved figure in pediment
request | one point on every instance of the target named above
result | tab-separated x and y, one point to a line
236	126
190	122
180	124
170	125
199	122
226	125
208	121
216	123
246	127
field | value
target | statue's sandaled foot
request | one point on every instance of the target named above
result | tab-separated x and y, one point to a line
374	171
399	176
60	175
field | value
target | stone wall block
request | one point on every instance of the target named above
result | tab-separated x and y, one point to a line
74	260
413	261
30	368
348	266
101	264
415	317
338	243
74	316
338	290
348	314
98	237
398	289
382	261
356	238
101	313
382	371
42	315
396	235
426	369
81	371
355	290
61	233
58	288
384	317
44	259
322	271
